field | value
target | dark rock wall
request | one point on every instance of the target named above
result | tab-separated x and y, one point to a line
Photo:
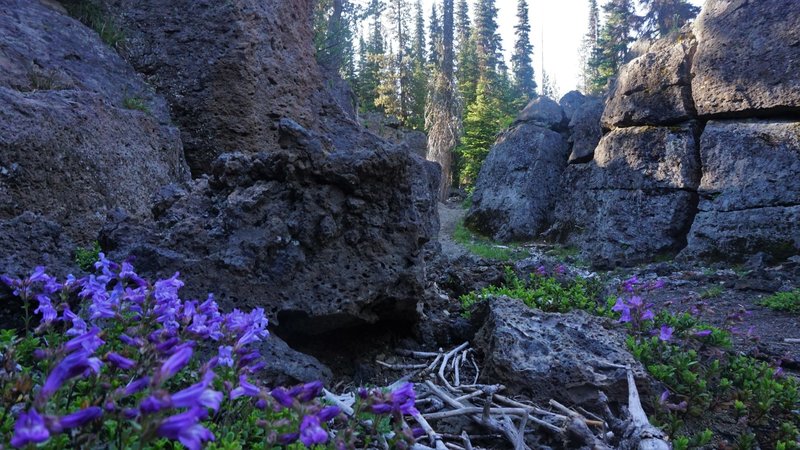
71	152
229	69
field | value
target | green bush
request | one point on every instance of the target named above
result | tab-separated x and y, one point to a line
783	301
91	15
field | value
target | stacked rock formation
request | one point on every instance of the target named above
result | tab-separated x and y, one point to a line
701	155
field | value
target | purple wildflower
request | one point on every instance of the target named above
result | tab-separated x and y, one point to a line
630	283
702	333
155	403
666	333
78	325
184	427
29	429
119	361
175	363
49	314
136	386
198	394
561	269
403	399
88	341
329	412
245	389
541	271
69	367
307	392
77	419
225	356
311	432
282	397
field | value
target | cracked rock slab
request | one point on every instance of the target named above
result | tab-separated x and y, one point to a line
750	190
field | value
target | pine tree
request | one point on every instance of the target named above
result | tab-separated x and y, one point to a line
397	76
524	85
549	86
615	38
443	110
466	55
588	47
435	42
419	75
487	40
371	59
665	16
483	121
418	49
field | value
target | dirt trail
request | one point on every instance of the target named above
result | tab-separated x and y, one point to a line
450	215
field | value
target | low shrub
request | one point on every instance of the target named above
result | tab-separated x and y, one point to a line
783	301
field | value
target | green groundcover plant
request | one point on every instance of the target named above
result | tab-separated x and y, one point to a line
114	361
695	363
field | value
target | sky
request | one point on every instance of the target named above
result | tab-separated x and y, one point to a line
560	24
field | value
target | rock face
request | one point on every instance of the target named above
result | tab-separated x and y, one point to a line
70	150
750	190
585	131
654	89
566	357
514	194
229	69
748	58
635	200
320	240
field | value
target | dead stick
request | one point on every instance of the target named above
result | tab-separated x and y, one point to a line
475	410
435	439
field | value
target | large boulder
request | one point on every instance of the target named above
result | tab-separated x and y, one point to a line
585	131
517	185
748	58
230	70
566	357
71	148
543	112
654	88
635	200
571	102
321	240
750	190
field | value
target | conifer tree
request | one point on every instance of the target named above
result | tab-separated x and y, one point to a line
524	85
397	76
588	47
466	54
664	16
371	59
443	110
487	40
615	38
484	120
419	74
435	42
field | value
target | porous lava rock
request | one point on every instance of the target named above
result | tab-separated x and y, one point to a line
566	357
322	240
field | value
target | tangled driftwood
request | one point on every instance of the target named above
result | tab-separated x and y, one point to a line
447	386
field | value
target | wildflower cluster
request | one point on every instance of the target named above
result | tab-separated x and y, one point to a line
116	359
695	363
